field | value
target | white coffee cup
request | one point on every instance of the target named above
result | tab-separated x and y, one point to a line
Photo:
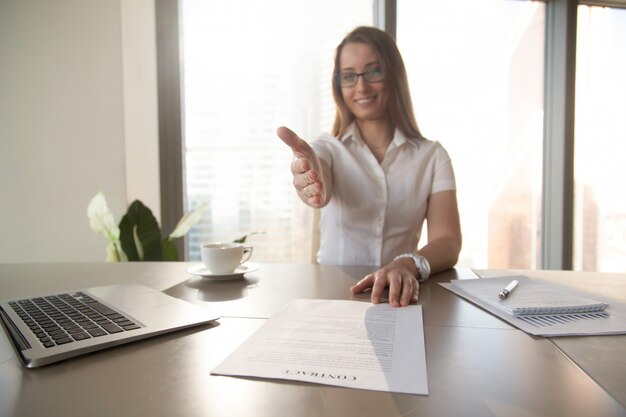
224	258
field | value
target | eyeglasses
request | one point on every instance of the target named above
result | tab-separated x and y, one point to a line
349	79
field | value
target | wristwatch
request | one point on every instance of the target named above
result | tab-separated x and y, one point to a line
421	263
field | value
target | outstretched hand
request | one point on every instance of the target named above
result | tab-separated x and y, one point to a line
306	169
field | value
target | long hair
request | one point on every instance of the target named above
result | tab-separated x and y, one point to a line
399	107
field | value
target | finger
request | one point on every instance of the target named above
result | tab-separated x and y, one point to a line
409	287
416	293
395	287
312	190
380	283
300	181
311	194
363	284
315	201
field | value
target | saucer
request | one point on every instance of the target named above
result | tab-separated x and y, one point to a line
203	272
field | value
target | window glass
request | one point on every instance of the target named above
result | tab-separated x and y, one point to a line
476	76
600	140
249	67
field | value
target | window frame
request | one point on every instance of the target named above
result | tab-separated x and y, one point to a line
557	245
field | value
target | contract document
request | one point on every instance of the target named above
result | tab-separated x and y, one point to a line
350	344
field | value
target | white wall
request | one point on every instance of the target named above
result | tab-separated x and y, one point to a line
62	124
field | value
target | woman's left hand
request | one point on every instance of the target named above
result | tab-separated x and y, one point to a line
403	287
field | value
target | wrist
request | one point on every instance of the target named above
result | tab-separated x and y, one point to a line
421	264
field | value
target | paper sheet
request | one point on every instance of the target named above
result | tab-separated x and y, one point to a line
344	343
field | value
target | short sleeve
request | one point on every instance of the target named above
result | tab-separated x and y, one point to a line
443	179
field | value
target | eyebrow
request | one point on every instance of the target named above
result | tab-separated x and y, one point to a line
351	69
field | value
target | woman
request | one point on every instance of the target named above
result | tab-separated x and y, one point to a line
376	179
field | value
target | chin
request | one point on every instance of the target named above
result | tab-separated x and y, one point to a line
369	117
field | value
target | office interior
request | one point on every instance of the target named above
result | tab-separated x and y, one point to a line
90	101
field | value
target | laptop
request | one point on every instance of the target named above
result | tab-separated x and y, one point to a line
53	327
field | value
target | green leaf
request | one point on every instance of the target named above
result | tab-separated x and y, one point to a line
169	250
139	221
187	221
243	238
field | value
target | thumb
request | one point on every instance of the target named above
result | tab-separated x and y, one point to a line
292	140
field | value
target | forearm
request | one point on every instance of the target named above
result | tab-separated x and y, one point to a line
444	232
442	253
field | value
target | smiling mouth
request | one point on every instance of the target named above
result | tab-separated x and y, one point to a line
364	100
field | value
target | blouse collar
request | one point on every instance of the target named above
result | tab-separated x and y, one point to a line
353	134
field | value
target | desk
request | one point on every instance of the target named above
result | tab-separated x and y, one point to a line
468	354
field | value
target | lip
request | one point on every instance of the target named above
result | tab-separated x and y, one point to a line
364	100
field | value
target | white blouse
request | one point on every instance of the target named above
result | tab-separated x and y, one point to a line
376	211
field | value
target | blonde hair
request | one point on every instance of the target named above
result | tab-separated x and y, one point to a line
399	105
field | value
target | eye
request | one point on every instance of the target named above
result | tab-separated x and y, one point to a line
347	78
375	74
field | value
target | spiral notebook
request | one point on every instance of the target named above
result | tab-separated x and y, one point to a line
543	309
531	298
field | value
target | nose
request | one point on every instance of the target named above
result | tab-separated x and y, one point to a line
361	82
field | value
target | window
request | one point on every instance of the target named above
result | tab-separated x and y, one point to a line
249	67
476	71
476	76
600	140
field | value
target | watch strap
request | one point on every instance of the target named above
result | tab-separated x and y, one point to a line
421	263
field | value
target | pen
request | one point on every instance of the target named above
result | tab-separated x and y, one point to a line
508	289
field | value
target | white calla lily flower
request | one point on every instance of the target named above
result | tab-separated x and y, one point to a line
187	221
101	219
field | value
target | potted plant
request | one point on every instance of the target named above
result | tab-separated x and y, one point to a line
138	236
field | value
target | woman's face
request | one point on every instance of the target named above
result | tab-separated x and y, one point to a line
366	100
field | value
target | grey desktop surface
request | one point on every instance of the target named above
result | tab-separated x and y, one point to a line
477	364
598	356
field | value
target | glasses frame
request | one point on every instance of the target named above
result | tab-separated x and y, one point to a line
365	74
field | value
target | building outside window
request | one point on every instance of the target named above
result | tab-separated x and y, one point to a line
600	140
476	75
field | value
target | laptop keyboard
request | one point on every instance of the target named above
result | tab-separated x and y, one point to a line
66	318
